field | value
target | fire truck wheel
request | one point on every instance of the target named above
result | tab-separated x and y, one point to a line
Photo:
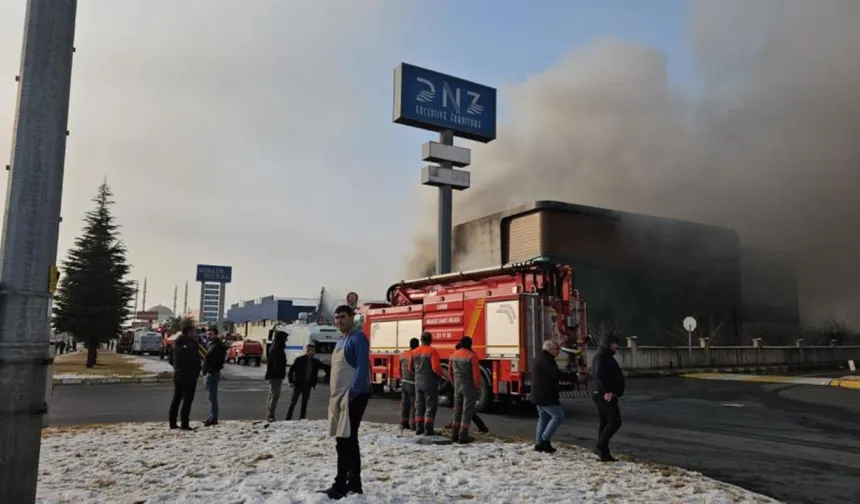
446	390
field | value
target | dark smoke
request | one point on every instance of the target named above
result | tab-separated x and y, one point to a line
767	142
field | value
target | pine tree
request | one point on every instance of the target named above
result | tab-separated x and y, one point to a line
93	298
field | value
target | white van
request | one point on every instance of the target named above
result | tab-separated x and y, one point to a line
323	336
146	342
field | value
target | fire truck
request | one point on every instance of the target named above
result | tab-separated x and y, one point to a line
508	311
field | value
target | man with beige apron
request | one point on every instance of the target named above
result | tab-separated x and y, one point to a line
350	391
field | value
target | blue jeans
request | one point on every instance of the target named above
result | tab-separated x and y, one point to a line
211	383
549	419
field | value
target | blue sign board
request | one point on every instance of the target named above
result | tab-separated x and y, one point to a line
216	274
434	101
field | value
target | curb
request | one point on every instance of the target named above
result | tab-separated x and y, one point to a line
114	380
659	373
846	382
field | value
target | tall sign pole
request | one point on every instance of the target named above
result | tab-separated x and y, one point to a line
29	244
454	107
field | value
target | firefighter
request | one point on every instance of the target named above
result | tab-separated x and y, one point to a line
425	365
407	388
465	373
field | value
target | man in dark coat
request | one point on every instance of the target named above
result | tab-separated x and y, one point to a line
303	377
186	369
545	376
276	371
608	386
213	362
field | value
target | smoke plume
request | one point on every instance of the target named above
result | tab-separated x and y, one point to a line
765	139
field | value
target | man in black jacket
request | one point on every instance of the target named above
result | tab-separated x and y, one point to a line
186	369
303	377
545	376
608	387
276	371
213	362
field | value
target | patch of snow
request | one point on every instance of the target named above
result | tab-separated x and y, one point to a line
153	365
289	462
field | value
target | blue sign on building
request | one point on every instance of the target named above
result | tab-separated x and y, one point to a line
434	101
217	274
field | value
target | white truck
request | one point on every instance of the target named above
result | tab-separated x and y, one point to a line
146	342
323	336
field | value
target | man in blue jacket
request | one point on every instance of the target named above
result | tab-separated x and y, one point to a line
350	391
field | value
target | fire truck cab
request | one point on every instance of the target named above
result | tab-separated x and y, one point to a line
508	311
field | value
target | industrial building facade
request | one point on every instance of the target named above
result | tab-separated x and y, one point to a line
253	319
641	275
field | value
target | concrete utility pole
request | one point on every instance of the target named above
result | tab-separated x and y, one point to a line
175	296
446	203
185	303
29	244
143	302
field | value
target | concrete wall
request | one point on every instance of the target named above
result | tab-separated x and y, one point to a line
705	356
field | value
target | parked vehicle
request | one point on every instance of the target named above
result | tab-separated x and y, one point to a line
301	334
508	311
146	342
245	352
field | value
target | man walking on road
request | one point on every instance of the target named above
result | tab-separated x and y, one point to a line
350	391
608	387
303	377
216	353
425	364
407	388
276	371
545	395
465	373
186	369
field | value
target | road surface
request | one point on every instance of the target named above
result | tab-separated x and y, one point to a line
795	443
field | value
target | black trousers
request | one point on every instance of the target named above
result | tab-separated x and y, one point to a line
305	392
348	452
183	392
610	420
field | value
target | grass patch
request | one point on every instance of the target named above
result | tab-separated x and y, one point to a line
107	364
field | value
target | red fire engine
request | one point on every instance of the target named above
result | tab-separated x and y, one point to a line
508	311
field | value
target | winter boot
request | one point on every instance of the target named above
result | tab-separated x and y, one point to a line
419	428
464	437
404	425
428	429
455	436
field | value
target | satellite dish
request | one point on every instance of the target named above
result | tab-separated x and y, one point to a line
690	324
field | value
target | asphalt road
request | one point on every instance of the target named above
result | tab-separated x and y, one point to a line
795	443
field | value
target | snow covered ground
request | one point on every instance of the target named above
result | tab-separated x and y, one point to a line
288	462
150	366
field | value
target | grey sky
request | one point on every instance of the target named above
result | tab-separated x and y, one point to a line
205	116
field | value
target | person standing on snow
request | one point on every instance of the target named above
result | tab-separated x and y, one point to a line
482	427
303	377
407	388
545	394
276	371
465	373
186	369
216	353
350	391
424	363
608	387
